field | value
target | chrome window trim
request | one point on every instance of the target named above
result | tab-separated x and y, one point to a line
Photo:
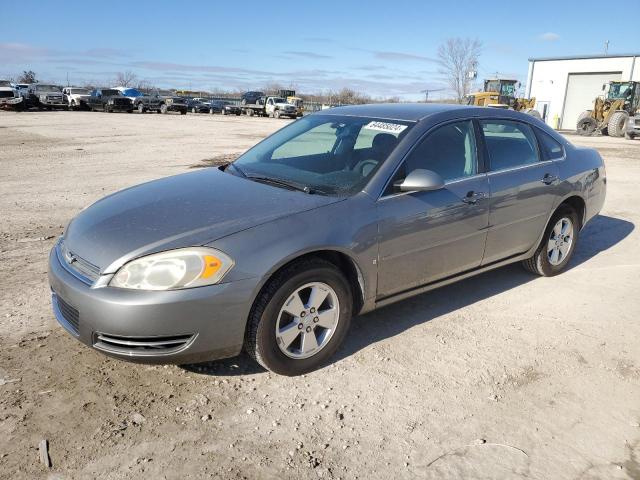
519	167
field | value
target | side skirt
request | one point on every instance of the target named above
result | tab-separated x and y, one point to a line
396	297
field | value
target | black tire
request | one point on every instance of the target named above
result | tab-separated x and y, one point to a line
585	114
163	109
183	112
586	126
140	107
260	338
618	124
194	110
223	111
539	263
629	136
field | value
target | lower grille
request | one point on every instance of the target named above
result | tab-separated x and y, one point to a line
6	94
70	314
141	345
120	101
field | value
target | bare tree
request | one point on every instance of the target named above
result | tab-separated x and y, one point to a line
28	76
126	79
458	57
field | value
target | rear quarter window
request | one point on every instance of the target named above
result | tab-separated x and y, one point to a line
551	148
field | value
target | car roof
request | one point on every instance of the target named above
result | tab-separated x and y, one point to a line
413	112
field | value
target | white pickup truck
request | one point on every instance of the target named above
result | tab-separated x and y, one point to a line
275	107
9	96
76	97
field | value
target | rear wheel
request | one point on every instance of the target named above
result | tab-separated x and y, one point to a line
558	243
300	318
586	126
276	114
618	124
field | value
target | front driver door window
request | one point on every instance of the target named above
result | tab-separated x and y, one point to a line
426	236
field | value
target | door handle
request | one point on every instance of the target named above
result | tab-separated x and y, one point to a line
548	179
471	198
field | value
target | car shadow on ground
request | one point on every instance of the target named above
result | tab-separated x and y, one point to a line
601	234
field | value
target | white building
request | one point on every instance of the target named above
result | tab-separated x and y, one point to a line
566	86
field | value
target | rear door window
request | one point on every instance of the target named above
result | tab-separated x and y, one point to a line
509	144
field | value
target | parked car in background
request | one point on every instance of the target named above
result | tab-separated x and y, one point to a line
141	101
76	97
198	105
224	107
251	97
109	100
632	128
339	213
47	96
10	96
174	104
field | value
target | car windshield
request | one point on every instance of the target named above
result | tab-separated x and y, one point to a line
110	92
5	83
279	100
132	92
619	90
79	91
331	154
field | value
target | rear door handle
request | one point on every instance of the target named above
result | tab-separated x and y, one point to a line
471	198
548	179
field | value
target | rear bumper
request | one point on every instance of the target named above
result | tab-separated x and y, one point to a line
181	326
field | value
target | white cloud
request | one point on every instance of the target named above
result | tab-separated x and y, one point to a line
549	37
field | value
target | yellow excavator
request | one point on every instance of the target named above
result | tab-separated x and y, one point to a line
612	110
501	93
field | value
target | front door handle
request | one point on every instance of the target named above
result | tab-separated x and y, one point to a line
471	198
548	179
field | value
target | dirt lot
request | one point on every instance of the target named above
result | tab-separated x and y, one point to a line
502	376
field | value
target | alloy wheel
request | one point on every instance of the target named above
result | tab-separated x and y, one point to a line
560	241
307	320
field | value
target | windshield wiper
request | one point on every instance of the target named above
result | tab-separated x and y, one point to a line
237	169
285	184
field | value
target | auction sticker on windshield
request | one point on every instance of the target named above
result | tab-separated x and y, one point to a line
394	128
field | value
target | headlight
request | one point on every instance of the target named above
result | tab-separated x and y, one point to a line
175	269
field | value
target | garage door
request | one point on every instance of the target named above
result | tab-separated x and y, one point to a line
582	89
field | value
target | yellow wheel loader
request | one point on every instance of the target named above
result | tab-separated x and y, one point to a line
501	93
612	110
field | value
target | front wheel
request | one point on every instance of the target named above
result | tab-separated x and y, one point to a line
300	318
558	244
140	108
163	109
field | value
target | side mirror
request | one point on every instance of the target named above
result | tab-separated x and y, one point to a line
421	180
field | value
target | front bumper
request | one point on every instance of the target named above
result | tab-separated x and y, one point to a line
176	108
633	125
180	326
118	108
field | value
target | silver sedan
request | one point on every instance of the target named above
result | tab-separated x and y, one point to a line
337	214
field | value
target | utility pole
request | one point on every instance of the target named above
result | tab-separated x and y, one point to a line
606	47
428	91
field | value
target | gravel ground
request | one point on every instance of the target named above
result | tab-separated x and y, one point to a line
505	375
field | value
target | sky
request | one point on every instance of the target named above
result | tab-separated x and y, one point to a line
381	48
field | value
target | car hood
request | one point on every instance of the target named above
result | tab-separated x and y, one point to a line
180	211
